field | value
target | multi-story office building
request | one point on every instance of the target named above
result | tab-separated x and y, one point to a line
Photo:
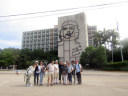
45	39
91	30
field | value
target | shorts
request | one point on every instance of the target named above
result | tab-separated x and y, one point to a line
56	75
50	75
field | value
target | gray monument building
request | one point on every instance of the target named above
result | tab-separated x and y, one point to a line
73	36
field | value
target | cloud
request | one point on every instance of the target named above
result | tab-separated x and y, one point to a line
11	43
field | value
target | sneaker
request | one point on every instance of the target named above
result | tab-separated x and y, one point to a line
40	85
30	85
51	84
26	85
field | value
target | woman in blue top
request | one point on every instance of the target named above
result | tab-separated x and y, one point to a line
70	69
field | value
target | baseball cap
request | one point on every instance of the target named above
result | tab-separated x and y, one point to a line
36	62
64	62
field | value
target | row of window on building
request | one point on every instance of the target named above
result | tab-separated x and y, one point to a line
47	39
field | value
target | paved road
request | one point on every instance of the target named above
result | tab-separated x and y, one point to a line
95	83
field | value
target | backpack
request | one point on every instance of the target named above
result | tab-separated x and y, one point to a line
79	67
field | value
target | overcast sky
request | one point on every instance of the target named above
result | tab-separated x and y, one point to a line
102	17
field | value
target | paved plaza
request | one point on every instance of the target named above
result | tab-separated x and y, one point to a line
94	83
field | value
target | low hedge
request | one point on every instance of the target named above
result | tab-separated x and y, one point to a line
116	66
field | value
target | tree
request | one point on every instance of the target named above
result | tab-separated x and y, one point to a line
95	57
105	37
7	58
25	57
124	44
51	55
87	57
114	38
100	58
97	38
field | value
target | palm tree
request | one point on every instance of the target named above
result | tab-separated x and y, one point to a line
105	37
97	38
113	40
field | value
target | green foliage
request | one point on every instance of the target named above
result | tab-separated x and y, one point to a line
116	66
3	63
87	56
25	57
117	52
124	43
100	57
95	57
7	57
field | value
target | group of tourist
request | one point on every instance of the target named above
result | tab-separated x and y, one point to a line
64	71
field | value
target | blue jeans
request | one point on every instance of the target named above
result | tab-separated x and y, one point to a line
41	77
36	76
74	75
70	77
79	77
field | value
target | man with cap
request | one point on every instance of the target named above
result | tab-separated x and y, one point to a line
78	72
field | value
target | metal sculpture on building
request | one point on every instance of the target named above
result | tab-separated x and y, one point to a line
72	36
70	32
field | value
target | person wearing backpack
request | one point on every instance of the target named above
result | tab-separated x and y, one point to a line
41	72
78	72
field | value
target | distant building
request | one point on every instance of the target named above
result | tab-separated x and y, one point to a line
45	39
91	30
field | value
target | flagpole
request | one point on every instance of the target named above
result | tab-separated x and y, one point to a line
120	43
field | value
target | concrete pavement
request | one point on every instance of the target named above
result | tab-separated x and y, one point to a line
95	83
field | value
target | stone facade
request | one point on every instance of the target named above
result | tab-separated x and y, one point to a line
73	36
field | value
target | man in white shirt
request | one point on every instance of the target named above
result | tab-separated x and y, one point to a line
51	69
78	72
56	72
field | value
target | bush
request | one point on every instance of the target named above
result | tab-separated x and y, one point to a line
116	66
94	57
